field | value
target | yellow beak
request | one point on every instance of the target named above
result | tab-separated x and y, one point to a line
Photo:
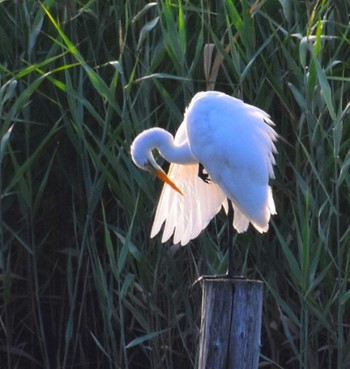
163	177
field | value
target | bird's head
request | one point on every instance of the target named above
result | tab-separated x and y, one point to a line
142	156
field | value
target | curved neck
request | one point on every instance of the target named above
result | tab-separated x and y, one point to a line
172	152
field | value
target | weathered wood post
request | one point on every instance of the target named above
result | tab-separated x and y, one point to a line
230	323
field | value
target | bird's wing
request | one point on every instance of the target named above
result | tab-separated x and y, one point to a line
186	215
235	143
241	220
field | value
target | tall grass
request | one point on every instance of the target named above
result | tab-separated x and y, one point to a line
82	285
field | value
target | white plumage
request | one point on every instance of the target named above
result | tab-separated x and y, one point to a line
234	142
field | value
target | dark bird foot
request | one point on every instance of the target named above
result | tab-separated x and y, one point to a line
203	174
218	277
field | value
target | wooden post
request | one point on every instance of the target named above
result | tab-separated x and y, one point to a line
230	323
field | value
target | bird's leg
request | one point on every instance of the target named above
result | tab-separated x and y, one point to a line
231	267
203	174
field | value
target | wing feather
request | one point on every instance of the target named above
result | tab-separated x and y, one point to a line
235	143
186	216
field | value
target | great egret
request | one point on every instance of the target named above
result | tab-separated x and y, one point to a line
223	153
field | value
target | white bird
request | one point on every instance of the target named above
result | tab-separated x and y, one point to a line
234	143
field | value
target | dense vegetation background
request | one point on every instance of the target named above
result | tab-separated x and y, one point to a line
81	283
